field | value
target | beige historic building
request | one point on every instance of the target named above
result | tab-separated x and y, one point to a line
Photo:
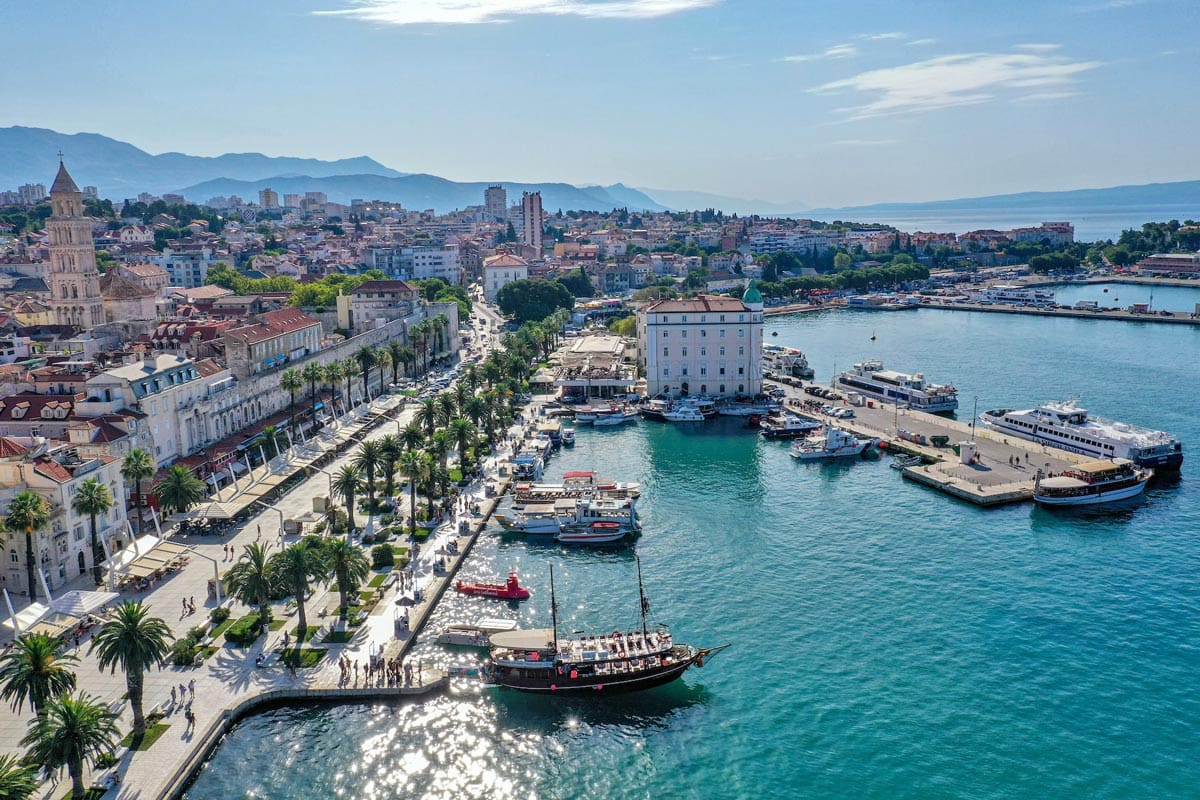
74	280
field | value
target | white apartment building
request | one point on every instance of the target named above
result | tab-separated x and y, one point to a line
495	204
416	263
708	345
501	269
62	550
531	220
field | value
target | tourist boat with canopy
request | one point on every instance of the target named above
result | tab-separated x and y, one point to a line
1091	483
540	661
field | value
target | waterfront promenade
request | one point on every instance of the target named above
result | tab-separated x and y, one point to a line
1121	314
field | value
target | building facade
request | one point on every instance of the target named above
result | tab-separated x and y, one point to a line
495	204
707	345
502	269
74	280
531	221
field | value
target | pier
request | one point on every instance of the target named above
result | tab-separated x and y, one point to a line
1002	473
1122	315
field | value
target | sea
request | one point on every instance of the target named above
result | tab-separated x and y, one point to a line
887	641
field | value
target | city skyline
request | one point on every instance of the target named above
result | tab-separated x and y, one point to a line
762	100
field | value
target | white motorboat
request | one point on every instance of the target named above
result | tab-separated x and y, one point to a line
477	635
1068	427
870	379
786	361
1091	483
618	415
568	437
528	466
787	426
836	443
534	520
595	533
683	413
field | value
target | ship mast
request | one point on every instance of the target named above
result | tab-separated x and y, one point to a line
644	602
553	610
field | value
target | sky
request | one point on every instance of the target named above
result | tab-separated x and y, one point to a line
817	104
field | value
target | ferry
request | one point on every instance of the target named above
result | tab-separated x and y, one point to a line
786	361
871	380
477	635
539	661
836	443
1017	295
1068	427
576	483
1092	482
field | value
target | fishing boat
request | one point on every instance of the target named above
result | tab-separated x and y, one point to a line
787	426
539	661
477	635
509	590
836	443
1091	483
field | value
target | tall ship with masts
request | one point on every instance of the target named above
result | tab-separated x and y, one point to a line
621	661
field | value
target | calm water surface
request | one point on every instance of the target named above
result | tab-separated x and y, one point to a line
888	642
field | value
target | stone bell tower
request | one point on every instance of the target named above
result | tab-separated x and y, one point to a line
74	280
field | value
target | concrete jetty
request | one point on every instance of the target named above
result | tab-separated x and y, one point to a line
1121	315
1004	468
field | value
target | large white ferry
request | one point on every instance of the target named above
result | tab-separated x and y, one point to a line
1068	427
1016	294
870	379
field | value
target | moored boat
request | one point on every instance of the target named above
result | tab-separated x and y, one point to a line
683	413
1091	483
836	443
568	437
787	426
574	484
477	635
871	380
509	590
541	662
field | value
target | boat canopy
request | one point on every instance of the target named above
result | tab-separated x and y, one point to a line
569	475
1101	466
535	639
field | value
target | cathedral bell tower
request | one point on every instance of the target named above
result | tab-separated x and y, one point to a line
74	280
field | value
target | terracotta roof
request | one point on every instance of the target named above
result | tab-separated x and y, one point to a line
29	407
700	303
145	270
272	324
115	286
385	287
52	469
10	447
505	260
207	367
205	293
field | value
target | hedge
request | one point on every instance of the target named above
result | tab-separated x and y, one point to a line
244	631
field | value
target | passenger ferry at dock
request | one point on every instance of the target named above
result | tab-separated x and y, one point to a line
1068	427
871	380
1016	295
1092	482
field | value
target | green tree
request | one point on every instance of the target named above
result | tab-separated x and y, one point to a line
578	283
533	299
842	261
313	374
396	353
350	568
18	781
462	433
72	730
36	669
179	490
291	381
624	326
28	513
390	450
93	499
136	467
250	581
273	440
135	642
366	359
427	416
333	377
348	483
368	461
415	466
291	570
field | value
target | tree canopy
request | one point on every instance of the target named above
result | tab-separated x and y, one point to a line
533	299
578	283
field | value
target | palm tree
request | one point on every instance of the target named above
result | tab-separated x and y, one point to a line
397	350
36	669
462	433
440	446
350	568
447	407
272	439
516	367
411	436
383	360
93	498
291	381
348	483
390	448
441	323
366	359
18	781
437	483
291	569
461	395
73	730
472	378
349	370
368	460
427	415
413	464
135	468
313	374
179	490
475	408
28	512
135	642
249	580
408	355
333	376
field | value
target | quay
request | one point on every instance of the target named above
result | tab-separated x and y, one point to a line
1122	315
1002	473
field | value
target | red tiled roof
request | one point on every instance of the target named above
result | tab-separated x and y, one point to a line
272	324
31	405
207	367
385	287
10	447
52	469
700	303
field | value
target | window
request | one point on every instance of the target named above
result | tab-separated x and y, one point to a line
722	372
685	317
741	388
703	371
722	333
12	556
741	317
703	333
741	350
703	351
683	371
666	334
741	333
722	349
684	352
666	352
722	320
666	372
722	386
683	334
741	370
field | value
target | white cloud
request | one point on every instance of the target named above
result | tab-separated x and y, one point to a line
1037	47
835	52
921	42
876	37
467	12
1036	96
954	80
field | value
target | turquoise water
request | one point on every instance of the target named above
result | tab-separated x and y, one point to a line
888	642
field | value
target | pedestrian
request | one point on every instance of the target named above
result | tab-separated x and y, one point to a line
192	603
182	692
172	695
190	716
259	536
192	688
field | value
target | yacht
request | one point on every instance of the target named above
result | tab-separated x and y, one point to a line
528	466
1091	483
871	380
786	361
612	414
787	426
836	443
683	413
477	635
1068	427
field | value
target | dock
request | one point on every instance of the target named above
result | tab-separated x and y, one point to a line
1120	315
1002	473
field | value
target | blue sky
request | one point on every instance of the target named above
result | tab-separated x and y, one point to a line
820	104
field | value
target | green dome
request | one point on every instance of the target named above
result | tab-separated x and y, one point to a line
751	295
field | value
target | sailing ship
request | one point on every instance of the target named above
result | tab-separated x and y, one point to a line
540	661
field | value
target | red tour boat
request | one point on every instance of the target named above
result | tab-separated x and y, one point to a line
511	590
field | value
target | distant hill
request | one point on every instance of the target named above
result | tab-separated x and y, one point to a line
423	191
1178	193
698	201
120	170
